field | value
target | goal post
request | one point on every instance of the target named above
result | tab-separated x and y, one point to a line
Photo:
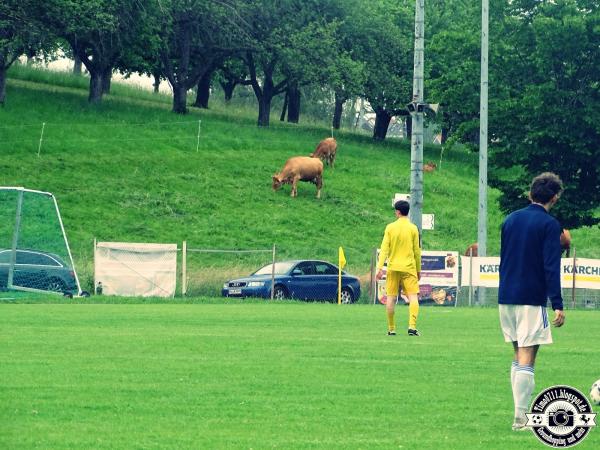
34	250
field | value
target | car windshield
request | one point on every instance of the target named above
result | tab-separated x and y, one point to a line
280	268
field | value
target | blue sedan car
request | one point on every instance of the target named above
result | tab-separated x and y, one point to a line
301	280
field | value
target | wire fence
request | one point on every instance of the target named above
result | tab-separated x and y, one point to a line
488	297
206	271
191	135
264	274
228	273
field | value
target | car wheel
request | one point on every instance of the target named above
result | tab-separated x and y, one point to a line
280	293
55	285
347	296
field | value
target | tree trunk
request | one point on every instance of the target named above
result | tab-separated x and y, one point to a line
156	84
337	111
106	79
95	87
264	111
179	99
203	91
76	65
444	135
382	122
294	96
228	88
409	127
2	84
284	108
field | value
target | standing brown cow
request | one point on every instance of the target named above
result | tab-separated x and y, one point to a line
325	151
565	242
472	250
300	168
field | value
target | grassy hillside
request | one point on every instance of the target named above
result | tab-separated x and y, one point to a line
130	170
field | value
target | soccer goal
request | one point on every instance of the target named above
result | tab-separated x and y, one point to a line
34	251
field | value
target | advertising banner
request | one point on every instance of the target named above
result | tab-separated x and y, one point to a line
585	271
485	271
439	268
439	279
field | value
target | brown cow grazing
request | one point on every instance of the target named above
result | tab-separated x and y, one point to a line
429	166
300	168
325	151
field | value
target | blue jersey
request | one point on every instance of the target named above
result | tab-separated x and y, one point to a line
530	258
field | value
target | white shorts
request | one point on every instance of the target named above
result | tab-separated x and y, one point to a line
526	325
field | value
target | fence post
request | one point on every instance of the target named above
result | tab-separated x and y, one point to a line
94	256
41	138
198	138
574	276
470	276
372	276
184	268
273	275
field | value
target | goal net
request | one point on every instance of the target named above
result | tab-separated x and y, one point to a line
34	251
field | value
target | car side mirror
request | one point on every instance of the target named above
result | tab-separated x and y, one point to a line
297	272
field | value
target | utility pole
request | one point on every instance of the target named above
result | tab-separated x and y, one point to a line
483	140
416	143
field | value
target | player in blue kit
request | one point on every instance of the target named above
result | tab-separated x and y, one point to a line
529	276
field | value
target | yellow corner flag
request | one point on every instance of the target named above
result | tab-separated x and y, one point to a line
341	265
342	258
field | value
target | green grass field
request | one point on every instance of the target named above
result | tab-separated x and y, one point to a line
260	375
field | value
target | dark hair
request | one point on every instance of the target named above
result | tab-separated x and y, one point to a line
544	187
403	206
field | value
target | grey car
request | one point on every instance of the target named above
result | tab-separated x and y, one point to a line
38	270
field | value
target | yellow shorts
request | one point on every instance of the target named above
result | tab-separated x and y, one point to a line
396	281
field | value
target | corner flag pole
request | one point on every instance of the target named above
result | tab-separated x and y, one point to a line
341	265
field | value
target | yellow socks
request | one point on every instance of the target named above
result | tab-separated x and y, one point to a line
413	313
391	322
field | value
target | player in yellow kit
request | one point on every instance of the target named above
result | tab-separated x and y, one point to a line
400	246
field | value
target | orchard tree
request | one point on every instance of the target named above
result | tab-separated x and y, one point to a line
343	72
312	51
550	118
291	41
452	63
232	72
386	47
100	33
193	36
20	33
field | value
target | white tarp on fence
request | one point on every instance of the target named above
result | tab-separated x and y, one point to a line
485	271
132	269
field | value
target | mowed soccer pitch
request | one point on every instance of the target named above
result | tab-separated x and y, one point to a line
270	375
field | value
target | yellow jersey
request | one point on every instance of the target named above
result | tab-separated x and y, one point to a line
400	246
